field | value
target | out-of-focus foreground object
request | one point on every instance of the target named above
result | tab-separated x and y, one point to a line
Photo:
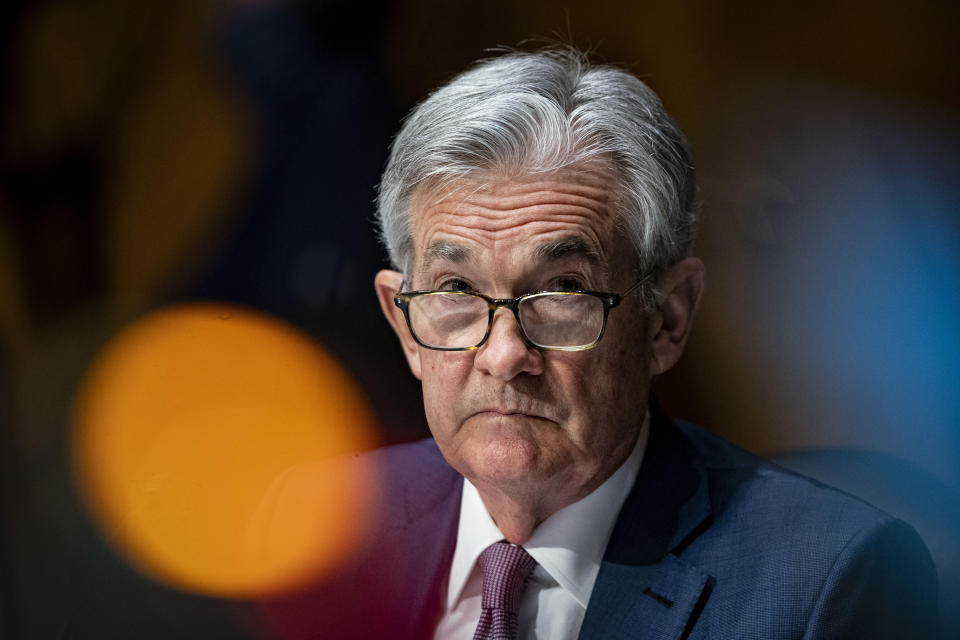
185	421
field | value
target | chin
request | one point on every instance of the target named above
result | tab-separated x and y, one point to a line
508	459
496	448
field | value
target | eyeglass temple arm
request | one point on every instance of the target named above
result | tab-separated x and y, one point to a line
636	284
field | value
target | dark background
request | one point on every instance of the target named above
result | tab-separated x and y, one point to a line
156	152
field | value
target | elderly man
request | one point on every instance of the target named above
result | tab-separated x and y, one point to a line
539	213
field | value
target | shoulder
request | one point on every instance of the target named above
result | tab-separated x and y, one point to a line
386	488
824	560
398	562
741	483
412	469
759	504
403	458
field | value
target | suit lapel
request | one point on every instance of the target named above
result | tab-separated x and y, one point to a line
432	510
643	589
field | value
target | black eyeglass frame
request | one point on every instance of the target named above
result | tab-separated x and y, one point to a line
610	300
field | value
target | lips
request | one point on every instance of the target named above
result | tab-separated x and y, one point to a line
495	412
513	403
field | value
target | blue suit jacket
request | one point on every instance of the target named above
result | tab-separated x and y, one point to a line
712	542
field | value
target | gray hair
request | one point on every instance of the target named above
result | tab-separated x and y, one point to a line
530	112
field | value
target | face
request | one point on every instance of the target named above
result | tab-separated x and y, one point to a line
508	415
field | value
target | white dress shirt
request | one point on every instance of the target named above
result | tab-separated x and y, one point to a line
568	547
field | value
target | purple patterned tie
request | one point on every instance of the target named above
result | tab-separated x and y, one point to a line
506	569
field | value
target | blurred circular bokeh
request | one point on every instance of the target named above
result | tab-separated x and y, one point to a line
216	447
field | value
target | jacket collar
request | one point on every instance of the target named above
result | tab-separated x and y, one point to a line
643	588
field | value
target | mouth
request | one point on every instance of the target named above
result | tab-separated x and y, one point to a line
497	412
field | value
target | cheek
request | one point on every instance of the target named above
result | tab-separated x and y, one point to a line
443	379
629	379
630	359
584	387
606	395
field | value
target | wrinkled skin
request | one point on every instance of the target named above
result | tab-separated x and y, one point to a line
536	430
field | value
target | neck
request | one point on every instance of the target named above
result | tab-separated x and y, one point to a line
515	517
519	510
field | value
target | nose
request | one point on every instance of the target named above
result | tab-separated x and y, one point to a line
506	354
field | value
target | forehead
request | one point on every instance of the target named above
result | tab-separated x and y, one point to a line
546	216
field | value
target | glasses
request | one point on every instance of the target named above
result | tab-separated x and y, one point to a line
552	320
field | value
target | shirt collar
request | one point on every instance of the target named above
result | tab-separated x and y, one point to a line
568	545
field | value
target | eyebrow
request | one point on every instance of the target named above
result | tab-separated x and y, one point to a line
441	250
572	246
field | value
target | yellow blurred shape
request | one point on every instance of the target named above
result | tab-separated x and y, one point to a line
214	446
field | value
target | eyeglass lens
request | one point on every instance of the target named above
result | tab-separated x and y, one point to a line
455	320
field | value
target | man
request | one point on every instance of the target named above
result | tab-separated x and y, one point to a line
539	213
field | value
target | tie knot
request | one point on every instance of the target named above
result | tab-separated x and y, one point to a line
506	568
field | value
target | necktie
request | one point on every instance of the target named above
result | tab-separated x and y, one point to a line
506	569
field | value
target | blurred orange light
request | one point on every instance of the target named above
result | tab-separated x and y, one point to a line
213	445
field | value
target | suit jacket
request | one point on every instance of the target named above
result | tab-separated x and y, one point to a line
712	542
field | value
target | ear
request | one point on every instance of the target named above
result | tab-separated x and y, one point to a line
387	284
680	293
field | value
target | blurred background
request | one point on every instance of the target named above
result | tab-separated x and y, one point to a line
155	153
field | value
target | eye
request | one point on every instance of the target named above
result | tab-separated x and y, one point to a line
454	284
567	283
